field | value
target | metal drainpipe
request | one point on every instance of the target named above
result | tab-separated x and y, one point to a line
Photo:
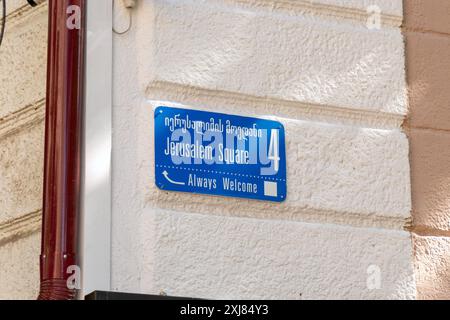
65	97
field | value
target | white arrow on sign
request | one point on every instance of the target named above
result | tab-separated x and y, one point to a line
166	175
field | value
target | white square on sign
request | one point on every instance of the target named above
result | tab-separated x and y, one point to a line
270	189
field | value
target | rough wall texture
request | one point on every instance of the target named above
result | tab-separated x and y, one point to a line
22	99
339	89
427	31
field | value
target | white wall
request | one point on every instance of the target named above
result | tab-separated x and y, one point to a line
338	88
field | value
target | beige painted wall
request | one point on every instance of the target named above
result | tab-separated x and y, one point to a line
22	100
427	31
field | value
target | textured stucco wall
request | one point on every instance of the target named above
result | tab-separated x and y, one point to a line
427	32
339	89
22	99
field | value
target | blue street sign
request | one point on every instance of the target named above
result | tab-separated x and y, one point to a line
219	154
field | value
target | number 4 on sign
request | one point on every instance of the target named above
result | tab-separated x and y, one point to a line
273	154
274	150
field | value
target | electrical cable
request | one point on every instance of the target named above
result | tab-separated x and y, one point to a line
3	25
130	25
130	20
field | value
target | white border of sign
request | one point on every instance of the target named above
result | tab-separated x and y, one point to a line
95	224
